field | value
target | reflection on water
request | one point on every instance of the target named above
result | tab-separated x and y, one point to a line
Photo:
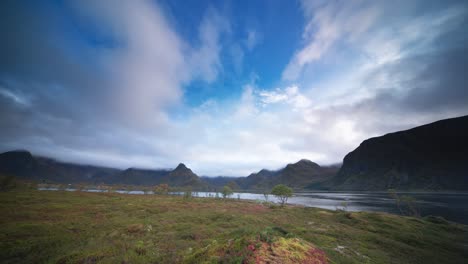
452	206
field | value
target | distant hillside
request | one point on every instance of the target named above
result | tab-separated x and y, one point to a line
429	157
26	166
133	176
296	175
219	181
183	176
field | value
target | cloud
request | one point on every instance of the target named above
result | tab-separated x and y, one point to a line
105	100
19	99
205	60
406	69
290	95
148	68
252	39
113	94
328	23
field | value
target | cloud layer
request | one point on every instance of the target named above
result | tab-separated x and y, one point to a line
112	91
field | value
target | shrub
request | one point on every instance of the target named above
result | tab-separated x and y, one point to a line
187	194
7	183
406	204
227	191
161	189
282	193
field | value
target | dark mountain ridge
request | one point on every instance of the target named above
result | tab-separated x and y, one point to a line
428	157
26	166
296	175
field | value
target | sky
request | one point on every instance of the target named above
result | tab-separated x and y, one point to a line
226	87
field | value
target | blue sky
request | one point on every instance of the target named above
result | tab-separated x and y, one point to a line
227	87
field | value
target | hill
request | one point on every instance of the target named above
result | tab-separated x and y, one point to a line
24	165
428	157
296	175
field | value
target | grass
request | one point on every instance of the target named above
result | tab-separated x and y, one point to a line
80	227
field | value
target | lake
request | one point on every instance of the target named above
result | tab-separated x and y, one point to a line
451	206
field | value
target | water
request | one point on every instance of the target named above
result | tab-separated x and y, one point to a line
451	206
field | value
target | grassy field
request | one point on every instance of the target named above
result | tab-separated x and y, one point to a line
79	227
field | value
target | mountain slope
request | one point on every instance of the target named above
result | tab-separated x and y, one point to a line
297	175
19	163
429	157
183	176
133	176
24	165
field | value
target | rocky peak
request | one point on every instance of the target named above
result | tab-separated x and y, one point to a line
181	167
302	164
17	162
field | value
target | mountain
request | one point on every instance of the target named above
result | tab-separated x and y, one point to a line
301	173
428	157
258	180
134	176
19	163
296	175
24	165
218	181
183	176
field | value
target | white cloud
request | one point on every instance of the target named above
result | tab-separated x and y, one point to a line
252	39
289	95
20	99
205	60
328	23
150	63
146	68
122	115
322	120
271	97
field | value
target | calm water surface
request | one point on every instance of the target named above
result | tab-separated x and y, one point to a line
451	206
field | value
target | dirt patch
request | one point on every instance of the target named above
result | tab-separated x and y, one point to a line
286	251
136	228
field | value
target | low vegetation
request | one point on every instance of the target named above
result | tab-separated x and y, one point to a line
226	192
82	227
282	192
406	204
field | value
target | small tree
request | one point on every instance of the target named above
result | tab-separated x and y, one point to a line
282	193
7	183
227	191
187	195
161	189
406	204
